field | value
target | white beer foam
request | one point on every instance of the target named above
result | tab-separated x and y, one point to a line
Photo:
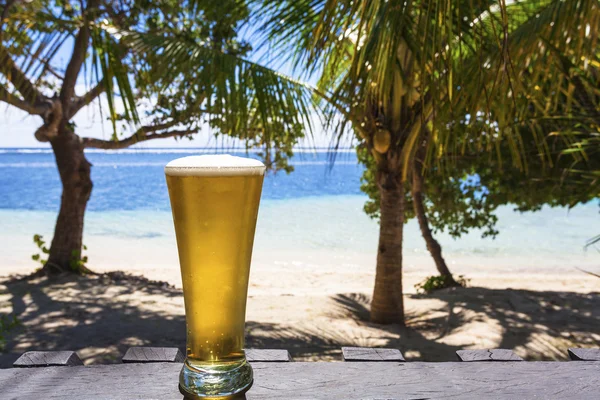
214	165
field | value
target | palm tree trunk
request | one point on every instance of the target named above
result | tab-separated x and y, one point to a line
432	245
388	304
74	170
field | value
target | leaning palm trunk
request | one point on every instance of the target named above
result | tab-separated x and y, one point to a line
432	245
388	304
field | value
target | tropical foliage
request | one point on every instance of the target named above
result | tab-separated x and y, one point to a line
126	57
389	69
457	107
550	98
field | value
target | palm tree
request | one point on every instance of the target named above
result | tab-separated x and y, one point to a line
119	50
554	72
389	68
403	73
555	43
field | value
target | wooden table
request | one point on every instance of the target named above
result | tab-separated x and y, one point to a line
320	380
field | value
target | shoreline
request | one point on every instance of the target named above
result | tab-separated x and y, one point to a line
328	231
310	285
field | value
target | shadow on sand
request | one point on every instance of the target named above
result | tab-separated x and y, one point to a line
101	316
539	325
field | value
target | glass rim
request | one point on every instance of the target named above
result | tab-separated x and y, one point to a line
214	165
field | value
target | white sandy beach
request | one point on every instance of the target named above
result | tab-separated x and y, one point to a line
310	288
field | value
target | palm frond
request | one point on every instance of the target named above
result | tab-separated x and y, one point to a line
245	99
592	241
381	62
107	66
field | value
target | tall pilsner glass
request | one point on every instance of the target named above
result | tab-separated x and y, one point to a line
214	199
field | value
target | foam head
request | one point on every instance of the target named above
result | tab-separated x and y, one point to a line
214	165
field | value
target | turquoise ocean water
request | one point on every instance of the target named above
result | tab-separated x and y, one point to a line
313	215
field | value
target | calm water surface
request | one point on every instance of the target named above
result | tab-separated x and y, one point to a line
318	207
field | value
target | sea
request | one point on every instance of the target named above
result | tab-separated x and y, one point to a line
309	216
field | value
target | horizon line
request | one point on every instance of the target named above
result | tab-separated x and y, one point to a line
184	148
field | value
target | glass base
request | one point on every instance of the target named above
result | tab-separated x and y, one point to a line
201	381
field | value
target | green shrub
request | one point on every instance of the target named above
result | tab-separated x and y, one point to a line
77	263
41	257
7	323
437	282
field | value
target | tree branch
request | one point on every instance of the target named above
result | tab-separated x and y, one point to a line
141	135
15	101
82	41
86	99
14	75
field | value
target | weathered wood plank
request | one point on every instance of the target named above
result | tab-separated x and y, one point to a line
47	359
320	381
580	354
371	354
487	355
267	355
152	354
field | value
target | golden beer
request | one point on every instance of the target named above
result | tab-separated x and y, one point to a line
214	200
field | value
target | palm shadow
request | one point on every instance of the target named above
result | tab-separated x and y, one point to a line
414	340
96	313
101	316
539	325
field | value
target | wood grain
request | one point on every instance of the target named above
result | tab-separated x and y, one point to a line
371	354
579	354
152	354
320	380
267	355
47	358
487	355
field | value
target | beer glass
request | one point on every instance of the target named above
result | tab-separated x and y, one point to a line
214	200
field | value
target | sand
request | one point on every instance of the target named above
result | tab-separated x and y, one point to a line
311	310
